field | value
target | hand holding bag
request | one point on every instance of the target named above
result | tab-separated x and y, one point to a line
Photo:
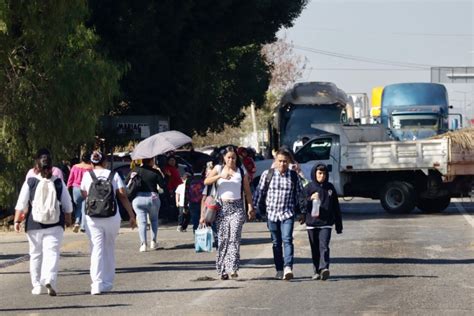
203	239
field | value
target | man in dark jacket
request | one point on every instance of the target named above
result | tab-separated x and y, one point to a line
319	221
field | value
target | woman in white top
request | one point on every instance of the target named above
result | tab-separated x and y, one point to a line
230	219
102	231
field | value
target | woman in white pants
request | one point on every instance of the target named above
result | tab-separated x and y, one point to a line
102	232
44	239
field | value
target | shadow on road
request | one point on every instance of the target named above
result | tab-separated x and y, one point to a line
61	307
379	260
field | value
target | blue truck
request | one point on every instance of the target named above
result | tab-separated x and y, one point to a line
416	110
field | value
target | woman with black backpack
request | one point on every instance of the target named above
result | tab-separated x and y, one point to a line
100	187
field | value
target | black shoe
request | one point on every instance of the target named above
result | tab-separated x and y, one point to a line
224	276
324	274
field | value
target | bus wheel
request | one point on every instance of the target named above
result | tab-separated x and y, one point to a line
398	197
435	205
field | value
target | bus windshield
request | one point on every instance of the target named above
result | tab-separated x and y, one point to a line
296	121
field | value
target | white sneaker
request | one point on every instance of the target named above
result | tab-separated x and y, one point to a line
179	228
279	275
324	274
51	290
288	274
143	247
153	245
36	290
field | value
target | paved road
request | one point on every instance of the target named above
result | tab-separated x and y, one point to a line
382	265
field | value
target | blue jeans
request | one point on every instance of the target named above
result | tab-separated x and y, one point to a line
195	211
147	203
80	206
282	234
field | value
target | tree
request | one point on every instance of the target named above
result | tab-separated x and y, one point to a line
54	85
198	62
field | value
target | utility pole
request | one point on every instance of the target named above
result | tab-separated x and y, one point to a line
254	124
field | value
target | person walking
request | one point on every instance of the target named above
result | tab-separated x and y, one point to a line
325	214
44	239
147	202
182	201
74	184
232	182
35	171
279	194
102	231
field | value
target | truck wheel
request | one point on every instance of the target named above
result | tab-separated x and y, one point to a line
398	197
433	205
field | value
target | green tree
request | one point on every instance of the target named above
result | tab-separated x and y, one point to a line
54	85
197	61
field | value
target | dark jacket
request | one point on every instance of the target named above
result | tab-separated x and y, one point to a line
329	211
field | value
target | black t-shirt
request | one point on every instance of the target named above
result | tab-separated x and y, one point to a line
150	179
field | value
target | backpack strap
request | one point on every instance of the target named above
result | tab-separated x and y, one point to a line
241	182
266	185
294	181
93	176
111	176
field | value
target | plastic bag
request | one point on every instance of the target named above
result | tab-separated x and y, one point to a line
203	239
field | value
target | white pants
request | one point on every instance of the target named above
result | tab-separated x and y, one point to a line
102	233
44	254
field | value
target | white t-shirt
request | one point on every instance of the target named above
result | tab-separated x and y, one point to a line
104	174
180	190
230	189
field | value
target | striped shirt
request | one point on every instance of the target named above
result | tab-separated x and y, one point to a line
280	200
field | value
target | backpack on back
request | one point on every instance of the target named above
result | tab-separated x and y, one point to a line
45	207
195	189
100	200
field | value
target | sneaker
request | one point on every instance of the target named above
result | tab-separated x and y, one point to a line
279	275
153	245
36	290
324	274
316	276
75	228
179	228
224	276
288	274
51	290
234	275
95	292
143	247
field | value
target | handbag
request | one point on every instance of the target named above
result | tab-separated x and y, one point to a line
203	239
212	205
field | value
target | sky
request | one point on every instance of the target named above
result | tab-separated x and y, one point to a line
359	45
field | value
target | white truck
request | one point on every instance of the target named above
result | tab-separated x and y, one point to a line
402	175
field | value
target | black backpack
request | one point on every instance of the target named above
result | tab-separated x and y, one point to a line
100	200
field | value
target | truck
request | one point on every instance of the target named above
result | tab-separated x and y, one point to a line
416	110
423	173
375	104
304	106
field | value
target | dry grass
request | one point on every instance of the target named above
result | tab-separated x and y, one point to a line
462	137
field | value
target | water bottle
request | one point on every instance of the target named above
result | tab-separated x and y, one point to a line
315	208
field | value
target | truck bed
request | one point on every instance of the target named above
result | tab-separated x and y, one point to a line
449	159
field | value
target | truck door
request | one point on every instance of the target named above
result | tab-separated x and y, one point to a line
324	150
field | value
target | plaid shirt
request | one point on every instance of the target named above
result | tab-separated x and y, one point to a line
280	200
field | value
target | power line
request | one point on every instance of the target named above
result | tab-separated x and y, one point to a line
364	59
364	69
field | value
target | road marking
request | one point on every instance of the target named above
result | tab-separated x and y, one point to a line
462	210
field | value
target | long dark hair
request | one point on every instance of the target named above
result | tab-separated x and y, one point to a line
44	164
226	150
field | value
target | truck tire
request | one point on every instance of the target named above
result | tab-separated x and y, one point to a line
398	197
435	205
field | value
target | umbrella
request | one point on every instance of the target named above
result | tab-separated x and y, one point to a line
159	144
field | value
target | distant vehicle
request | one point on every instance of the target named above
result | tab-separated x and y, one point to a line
305	106
375	104
416	110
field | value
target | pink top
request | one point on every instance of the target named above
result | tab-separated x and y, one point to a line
56	172
75	176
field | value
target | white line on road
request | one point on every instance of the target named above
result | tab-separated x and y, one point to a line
462	210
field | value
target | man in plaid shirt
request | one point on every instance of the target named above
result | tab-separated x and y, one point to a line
283	199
